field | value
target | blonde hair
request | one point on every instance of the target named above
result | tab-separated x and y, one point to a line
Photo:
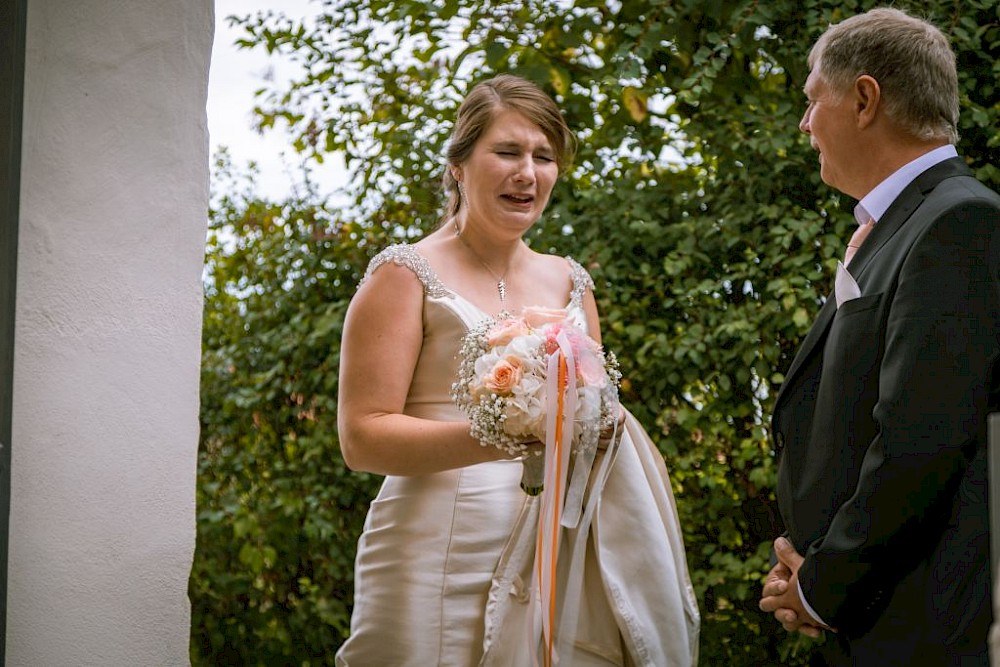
481	105
911	60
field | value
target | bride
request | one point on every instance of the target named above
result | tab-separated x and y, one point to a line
443	571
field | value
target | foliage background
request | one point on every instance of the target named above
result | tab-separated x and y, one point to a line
694	202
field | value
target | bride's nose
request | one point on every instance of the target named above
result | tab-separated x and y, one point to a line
525	170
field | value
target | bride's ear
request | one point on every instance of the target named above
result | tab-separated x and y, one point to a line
456	174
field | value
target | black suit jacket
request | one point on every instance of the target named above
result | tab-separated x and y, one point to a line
881	425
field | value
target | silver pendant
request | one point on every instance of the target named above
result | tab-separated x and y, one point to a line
502	289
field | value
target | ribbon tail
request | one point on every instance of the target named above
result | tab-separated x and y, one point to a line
573	501
582	465
547	543
561	506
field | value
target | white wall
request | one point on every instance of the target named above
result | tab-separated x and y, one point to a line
114	192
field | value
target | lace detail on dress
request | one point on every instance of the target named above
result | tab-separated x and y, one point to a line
403	254
581	281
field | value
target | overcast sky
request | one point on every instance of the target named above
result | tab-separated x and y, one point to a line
234	75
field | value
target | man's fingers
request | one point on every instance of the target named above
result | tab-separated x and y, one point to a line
806	629
774	587
786	616
780	573
810	631
772	603
787	554
776	582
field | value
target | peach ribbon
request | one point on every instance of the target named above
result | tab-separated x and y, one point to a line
562	508
561	398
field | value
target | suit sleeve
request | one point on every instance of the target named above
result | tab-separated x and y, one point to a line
940	360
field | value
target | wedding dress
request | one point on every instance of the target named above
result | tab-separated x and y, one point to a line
444	563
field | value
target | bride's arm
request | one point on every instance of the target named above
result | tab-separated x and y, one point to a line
594	330
593	320
380	345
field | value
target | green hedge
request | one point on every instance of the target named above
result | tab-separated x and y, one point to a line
695	203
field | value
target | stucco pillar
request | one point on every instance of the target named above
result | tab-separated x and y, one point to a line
114	194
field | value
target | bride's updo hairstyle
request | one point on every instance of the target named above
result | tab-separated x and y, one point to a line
481	105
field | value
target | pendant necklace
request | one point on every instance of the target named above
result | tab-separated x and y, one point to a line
501	279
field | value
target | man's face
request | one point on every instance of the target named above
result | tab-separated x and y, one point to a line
829	120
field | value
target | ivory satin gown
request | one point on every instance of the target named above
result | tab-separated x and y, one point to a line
444	560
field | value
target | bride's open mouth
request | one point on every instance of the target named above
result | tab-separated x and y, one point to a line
521	200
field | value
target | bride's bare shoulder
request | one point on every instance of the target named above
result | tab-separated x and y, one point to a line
404	263
561	268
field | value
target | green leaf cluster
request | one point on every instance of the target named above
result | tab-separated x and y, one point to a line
278	512
694	202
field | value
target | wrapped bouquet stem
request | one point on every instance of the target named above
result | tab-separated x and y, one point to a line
533	474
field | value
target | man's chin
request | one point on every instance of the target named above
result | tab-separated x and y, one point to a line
825	175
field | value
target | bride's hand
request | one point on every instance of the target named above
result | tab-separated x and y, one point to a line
613	431
534	447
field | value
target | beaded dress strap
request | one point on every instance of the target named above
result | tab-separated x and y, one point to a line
581	281
403	254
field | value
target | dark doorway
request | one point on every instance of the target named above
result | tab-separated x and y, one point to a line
12	35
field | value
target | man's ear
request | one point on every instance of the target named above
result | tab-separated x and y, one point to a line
868	98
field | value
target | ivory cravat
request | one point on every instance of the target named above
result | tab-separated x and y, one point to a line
859	236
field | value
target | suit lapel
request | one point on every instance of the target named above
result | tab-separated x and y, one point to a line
898	213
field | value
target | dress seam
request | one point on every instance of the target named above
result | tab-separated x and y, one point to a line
447	560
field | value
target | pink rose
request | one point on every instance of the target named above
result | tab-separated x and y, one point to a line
551	336
586	351
506	331
579	342
590	370
537	316
504	376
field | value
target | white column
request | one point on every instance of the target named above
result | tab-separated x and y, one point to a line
114	193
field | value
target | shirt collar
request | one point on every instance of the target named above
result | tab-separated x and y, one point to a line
874	205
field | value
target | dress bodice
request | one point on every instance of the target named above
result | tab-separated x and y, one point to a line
447	317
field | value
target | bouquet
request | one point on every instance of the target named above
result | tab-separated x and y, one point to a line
514	373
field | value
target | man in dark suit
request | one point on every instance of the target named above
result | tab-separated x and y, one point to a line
882	419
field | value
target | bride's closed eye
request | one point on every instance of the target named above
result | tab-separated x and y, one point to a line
539	157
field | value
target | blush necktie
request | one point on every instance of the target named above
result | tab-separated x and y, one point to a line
859	236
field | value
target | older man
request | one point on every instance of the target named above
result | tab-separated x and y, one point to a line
882	419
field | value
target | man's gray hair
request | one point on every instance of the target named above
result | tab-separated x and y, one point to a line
911	60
